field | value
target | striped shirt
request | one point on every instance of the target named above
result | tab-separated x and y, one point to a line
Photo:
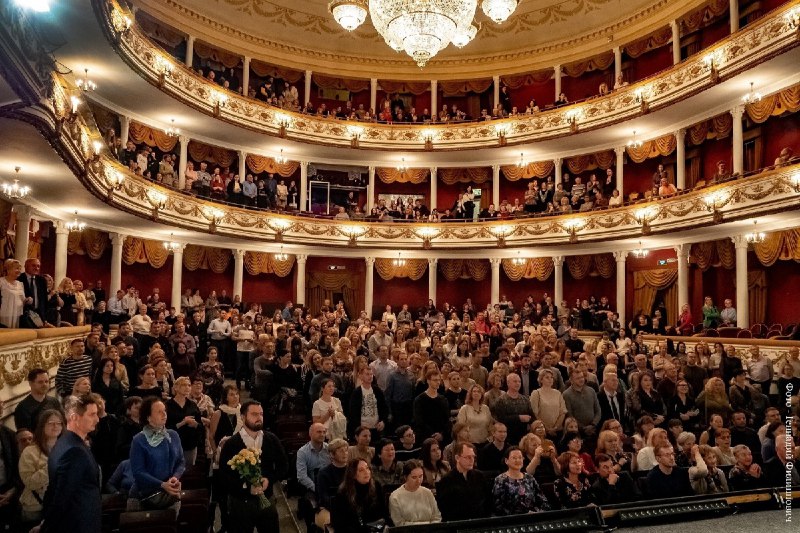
69	371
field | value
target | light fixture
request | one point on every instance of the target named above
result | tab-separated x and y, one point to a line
39	6
755	236
573	225
402	167
114	179
643	216
714	202
214	215
399	262
85	84
164	68
572	116
281	256
793	18
355	133
157	199
170	245
519	260
752	97
640	252
501	130
75	225
427	136
75	101
97	146
420	28
278	225
350	14
795	181
634	143
15	191
353	232
218	100
640	97
280	159
427	233
501	231
499	10
172	131
284	121
522	163
712	61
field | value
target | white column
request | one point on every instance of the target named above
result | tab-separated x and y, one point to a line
189	50
117	240
557	177
300	261
62	242
742	293
434	99
558	278
495	294
238	272
307	95
182	160
124	128
557	76
682	253
373	95
242	167
734	11
24	215
370	191
303	186
620	257
496	80
177	276
368	285
496	188
434	188
617	62
245	76
432	271
680	159
738	140
676	42
620	151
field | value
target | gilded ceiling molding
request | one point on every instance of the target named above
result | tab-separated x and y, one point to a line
289	55
759	41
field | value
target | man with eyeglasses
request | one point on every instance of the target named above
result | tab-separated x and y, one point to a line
667	480
462	494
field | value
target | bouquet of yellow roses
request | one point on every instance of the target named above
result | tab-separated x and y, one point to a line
247	463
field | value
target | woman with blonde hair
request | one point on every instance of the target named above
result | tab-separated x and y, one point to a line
494	382
646	459
80	303
12	294
66	291
548	403
714	400
610	443
475	415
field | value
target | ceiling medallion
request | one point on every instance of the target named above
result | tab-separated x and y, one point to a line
420	28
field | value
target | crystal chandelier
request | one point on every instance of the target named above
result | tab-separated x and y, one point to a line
399	262
634	143
640	253
281	256
752	97
85	84
402	167
519	260
75	225
280	159
15	191
755	236
170	245
420	28
172	131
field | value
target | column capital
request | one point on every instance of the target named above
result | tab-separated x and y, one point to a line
740	241
495	262
673	24
61	227
178	250
183	139
372	169
23	211
682	250
304	164
370	261
620	255
617	50
308	73
434	83
238	254
496	78
434	170
557	70
301	259
432	262
619	150
373	81
558	261
680	135
496	168
737	112
557	161
242	153
118	239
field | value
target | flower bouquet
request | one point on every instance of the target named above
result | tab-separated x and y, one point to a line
247	463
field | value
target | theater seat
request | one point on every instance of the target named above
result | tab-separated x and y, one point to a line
729	332
710	332
744	334
148	522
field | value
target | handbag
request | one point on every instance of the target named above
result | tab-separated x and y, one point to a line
30	319
158	501
338	426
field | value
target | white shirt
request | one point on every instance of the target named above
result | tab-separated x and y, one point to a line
251	442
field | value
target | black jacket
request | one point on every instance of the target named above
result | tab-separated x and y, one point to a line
463	498
39	288
605	407
274	464
357	401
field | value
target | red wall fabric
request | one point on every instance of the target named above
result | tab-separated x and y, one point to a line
649	63
715	150
447	195
777	133
638	177
783	279
399	291
509	190
403	189
457	292
587	84
544	93
518	291
715	32
596	286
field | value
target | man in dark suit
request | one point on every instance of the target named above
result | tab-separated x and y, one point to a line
35	287
527	375
243	504
612	400
72	500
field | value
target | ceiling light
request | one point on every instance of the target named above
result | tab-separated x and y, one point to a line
75	225
281	256
15	191
280	159
39	6
634	143
755	237
499	10
172	131
399	262
402	167
350	14
519	260
640	252
85	84
465	35
752	97
171	245
522	163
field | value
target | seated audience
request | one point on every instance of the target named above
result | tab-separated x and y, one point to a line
411	503
517	492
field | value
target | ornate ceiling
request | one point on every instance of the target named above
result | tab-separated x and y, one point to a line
303	35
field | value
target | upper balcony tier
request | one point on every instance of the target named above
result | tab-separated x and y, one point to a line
768	37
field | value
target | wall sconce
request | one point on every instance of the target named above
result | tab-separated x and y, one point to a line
501	232
121	23
501	130
573	226
75	102
643	216
712	62
283	121
714	202
158	200
572	116
163	68
279	226
427	136
355	133
640	97
793	18
215	216
795	181
218	100
427	234
114	179
97	146
353	232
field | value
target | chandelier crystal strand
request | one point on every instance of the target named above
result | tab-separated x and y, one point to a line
421	28
350	14
499	10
